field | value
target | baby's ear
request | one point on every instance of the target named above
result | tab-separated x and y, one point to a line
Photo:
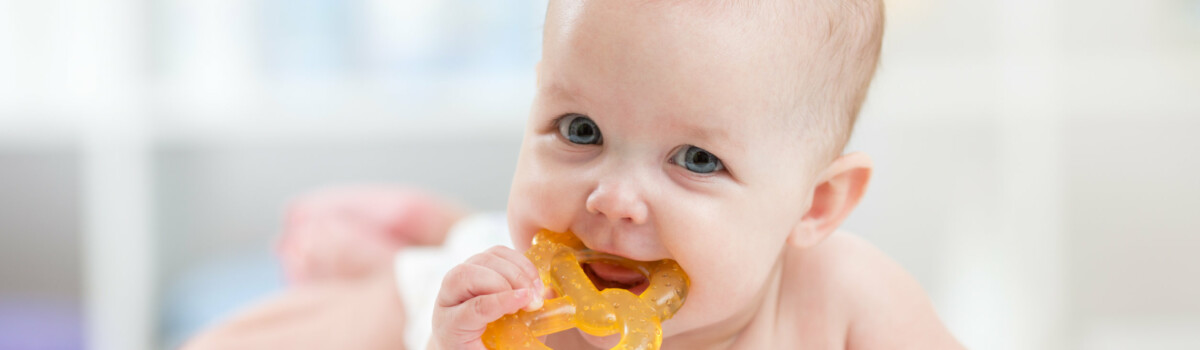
838	190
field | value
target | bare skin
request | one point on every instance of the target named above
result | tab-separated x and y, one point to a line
672	130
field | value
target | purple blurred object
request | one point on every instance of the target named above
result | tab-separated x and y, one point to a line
39	324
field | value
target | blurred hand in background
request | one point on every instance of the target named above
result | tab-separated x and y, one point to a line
349	232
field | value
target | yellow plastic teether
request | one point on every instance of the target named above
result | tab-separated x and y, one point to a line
637	318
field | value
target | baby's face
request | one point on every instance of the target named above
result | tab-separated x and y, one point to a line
659	135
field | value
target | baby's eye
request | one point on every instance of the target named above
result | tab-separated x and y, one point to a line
697	160
579	129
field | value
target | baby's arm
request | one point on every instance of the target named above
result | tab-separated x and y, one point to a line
347	314
890	310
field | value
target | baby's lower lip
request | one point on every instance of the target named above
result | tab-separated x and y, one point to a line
605	275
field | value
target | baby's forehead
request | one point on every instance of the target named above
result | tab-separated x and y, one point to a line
755	53
662	59
783	29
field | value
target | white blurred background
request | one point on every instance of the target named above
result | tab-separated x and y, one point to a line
1038	168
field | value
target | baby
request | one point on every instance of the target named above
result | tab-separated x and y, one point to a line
710	133
705	132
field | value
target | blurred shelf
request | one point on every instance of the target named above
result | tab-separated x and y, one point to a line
345	111
320	113
291	132
1127	83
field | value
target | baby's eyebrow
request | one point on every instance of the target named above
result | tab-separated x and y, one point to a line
706	133
559	89
716	137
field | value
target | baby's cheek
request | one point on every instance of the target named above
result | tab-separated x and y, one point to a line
717	295
542	197
727	277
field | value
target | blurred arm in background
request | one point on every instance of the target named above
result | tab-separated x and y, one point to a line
337	250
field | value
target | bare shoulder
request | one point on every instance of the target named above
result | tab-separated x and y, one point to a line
852	292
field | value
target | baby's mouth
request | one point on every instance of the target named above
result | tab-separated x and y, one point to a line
607	275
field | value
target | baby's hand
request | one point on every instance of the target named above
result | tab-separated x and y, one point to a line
487	286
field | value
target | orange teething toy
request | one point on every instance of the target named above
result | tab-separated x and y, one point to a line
579	305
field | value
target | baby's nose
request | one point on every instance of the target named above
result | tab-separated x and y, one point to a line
618	202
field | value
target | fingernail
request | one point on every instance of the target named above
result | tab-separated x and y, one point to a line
534	304
535	301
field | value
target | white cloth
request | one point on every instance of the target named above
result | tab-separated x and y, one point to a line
419	270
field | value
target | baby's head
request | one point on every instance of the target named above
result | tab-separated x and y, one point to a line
708	132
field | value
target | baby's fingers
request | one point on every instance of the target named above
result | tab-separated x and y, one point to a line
516	269
484	309
468	281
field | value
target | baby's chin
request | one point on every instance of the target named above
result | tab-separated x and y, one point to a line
606	342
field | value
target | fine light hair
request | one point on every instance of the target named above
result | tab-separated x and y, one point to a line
841	68
834	48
